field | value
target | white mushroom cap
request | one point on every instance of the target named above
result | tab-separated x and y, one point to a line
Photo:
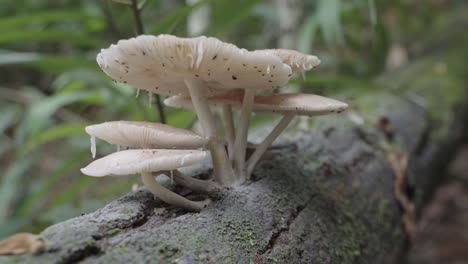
298	103
299	62
143	160
146	134
160	64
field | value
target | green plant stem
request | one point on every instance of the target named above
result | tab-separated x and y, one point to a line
140	30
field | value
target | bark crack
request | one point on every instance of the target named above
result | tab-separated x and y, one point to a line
277	232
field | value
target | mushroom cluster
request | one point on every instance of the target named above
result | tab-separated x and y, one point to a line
199	74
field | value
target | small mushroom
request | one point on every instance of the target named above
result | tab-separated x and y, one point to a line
145	162
145	134
198	67
288	104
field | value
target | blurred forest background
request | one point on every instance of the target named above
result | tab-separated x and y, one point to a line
51	86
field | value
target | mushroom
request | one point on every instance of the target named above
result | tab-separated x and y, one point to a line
145	162
299	62
198	67
153	135
287	104
144	134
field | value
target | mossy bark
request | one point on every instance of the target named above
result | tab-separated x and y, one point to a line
323	195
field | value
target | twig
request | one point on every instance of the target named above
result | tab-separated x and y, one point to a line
140	30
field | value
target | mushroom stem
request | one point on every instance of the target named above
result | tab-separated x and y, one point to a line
283	123
201	106
197	185
242	133
170	197
223	172
229	124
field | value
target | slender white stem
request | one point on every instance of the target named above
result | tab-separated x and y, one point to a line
204	186
170	197
229	125
223	172
242	133
282	124
201	106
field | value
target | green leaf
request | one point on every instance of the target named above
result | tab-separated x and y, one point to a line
35	199
40	112
58	64
307	34
230	13
169	22
48	63
12	181
181	118
50	35
54	133
328	15
7	117
13	22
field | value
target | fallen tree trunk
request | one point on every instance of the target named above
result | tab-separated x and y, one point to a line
323	195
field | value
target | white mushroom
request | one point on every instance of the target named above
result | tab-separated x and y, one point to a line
145	134
145	162
289	105
299	62
198	67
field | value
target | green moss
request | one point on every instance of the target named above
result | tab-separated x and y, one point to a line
113	231
126	211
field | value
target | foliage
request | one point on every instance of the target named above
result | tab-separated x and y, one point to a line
51	87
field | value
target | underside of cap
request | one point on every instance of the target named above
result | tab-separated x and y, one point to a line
160	64
297	103
146	134
143	160
299	62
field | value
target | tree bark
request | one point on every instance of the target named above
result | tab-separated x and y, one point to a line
323	195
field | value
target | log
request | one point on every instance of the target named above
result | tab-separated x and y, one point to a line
321	195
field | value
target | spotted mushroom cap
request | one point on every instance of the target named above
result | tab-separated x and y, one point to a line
146	134
299	103
299	62
143	160
160	64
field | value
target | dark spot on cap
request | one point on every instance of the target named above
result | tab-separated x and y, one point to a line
270	81
228	69
289	75
143	52
234	77
196	75
243	64
164	65
214	57
274	66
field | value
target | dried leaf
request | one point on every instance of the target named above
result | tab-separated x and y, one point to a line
399	163
22	243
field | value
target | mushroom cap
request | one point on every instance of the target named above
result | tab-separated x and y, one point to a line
143	160
299	62
145	134
298	103
160	64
